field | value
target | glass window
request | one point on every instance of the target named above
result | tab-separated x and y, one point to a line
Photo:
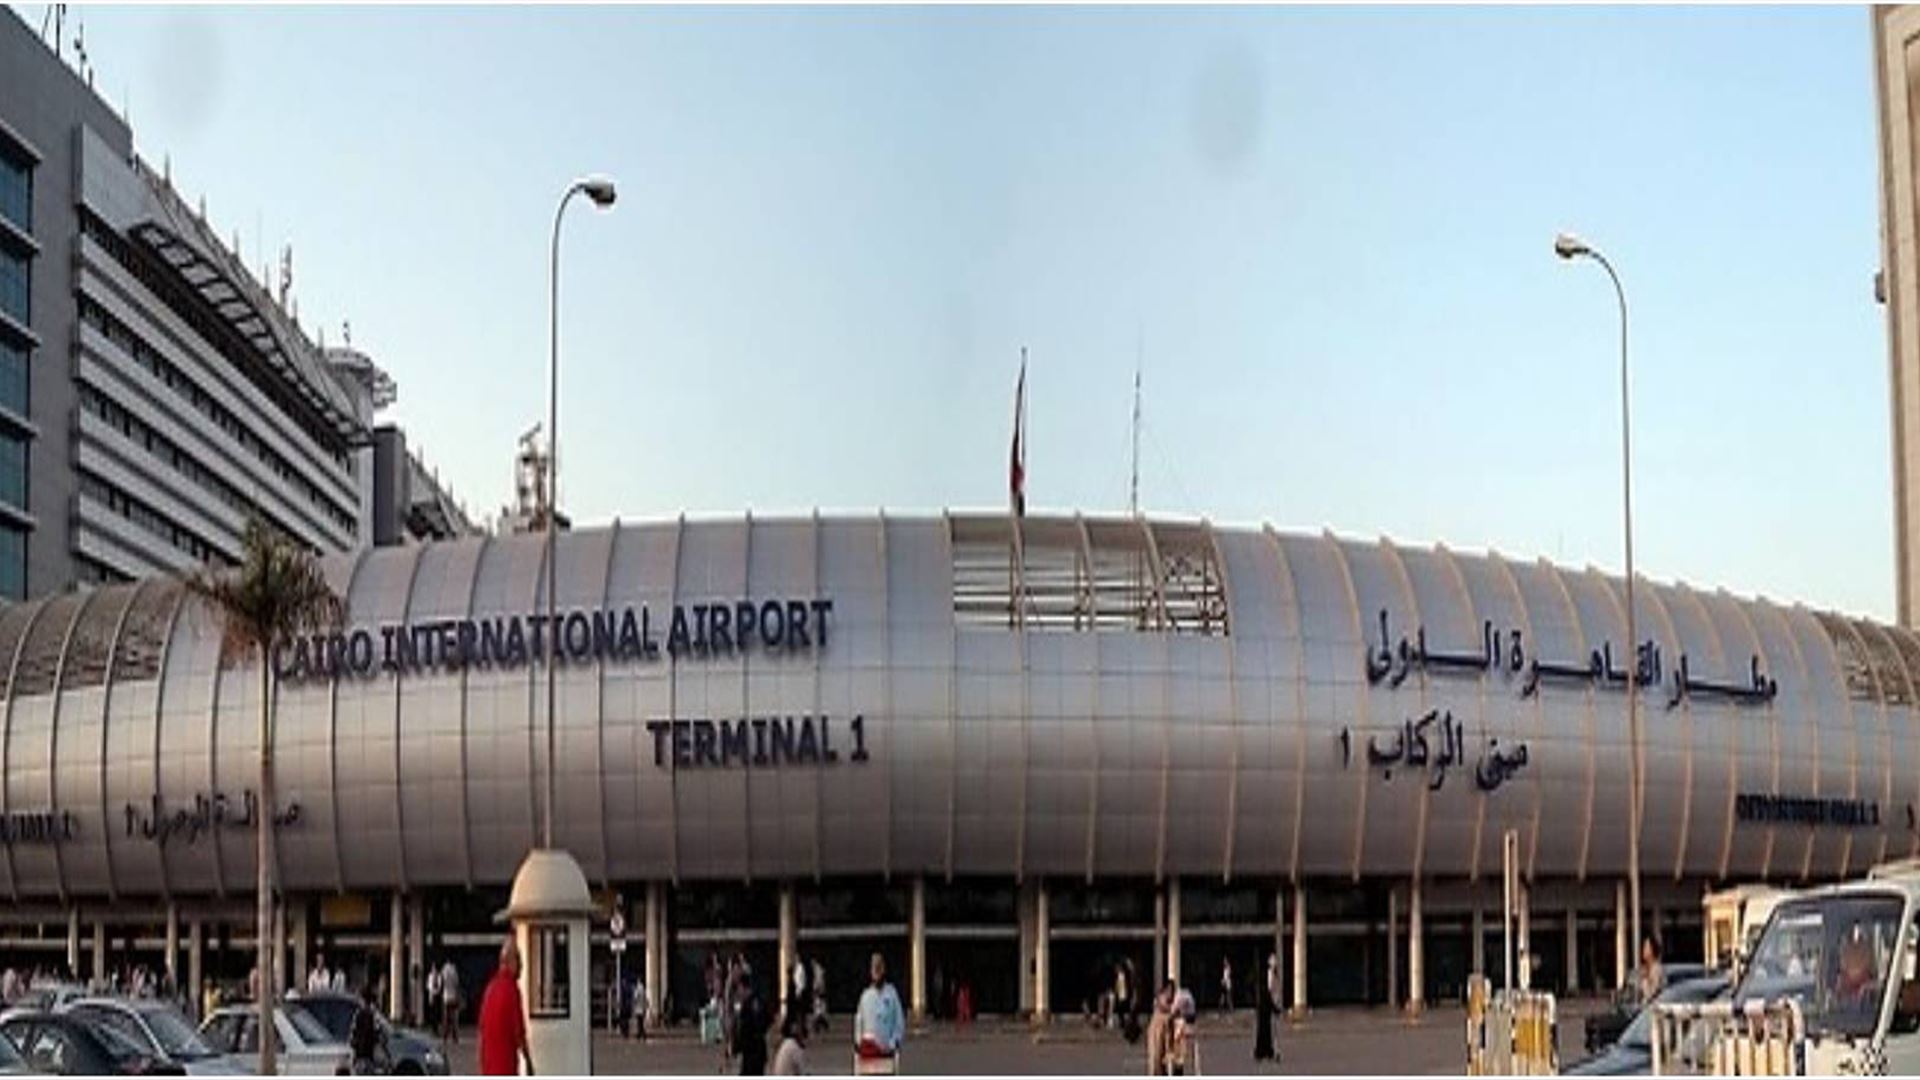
13	377
1833	954
13	564
13	471
16	281
549	971
16	193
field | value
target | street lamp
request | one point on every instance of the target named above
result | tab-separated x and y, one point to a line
599	189
1570	247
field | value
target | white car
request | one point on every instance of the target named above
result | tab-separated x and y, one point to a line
158	1027
306	1048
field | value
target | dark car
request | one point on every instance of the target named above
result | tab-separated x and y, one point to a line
1632	1053
1604	1028
70	1046
413	1053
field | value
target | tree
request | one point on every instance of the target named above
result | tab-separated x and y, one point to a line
276	594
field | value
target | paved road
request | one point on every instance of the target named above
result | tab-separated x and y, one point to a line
1338	1041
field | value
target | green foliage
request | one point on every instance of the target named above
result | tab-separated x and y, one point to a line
277	593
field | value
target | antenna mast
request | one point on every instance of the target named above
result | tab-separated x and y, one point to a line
1133	487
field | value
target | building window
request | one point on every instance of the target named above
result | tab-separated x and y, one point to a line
13	377
16	287
16	193
13	563
13	471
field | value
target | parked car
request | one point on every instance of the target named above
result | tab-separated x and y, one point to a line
1604	1028
1632	1053
62	1045
305	1047
157	1026
11	1063
410	1052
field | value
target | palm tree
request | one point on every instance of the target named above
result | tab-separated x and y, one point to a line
275	595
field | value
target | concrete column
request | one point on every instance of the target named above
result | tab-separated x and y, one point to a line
1159	942
100	950
1622	948
1279	941
1573	951
172	966
417	959
1173	935
73	943
656	946
917	950
1029	946
1043	950
396	960
196	941
279	987
1393	946
302	946
1479	937
1299	950
789	938
1416	950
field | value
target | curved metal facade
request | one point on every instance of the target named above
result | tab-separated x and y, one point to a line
1223	711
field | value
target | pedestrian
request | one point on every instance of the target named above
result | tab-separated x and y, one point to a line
503	1022
1123	1002
363	1038
729	1010
1263	1012
879	1024
1652	976
432	1003
639	1006
791	1058
1160	1030
319	980
750	1027
449	1002
819	995
797	990
1226	984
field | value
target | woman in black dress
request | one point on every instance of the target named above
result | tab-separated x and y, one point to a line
1263	1016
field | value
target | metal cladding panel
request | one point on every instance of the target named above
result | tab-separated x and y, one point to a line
368	729
235	734
1200	755
1601	607
1710	738
640	806
1334	686
1390	822
783	562
1265	662
1497	600
581	565
1832	735
133	724
1550	724
711	804
989	738
920	670
432	791
1750	734
307	766
1787	719
1060	691
851	671
1448	619
186	760
503	755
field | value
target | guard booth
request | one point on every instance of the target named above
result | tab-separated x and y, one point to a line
550	909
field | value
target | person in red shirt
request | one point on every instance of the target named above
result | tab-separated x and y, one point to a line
503	1022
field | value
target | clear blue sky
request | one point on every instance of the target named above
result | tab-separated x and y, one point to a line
1327	231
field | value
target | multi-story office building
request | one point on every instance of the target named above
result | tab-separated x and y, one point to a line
153	394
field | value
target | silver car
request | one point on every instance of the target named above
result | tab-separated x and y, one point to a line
159	1026
306	1048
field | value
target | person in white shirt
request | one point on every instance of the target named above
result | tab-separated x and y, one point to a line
879	1023
791	1058
319	979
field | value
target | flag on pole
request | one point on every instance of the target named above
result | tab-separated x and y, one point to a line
1017	467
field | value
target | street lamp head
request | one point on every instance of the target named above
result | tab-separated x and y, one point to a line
599	189
1569	246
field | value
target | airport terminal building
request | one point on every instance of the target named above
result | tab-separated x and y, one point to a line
1006	752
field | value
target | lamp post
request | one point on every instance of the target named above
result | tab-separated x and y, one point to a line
1570	247
600	190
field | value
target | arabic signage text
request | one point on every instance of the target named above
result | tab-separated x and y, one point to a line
719	629
1437	754
205	814
1504	651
